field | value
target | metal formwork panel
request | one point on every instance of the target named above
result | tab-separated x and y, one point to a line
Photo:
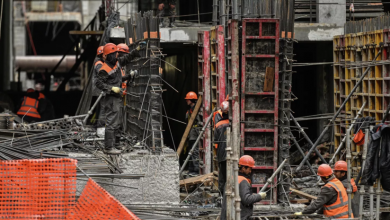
259	109
204	90
221	63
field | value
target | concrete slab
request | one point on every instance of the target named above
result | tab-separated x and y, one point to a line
54	16
316	31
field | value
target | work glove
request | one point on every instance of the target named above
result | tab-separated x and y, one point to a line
263	195
141	45
298	213
116	89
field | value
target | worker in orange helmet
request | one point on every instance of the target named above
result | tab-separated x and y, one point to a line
191	99
333	197
109	80
340	171
172	12
123	49
248	198
95	91
222	123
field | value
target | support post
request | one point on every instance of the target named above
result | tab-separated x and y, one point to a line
338	111
371	192
229	180
362	190
273	176
378	197
307	138
349	189
348	131
215	12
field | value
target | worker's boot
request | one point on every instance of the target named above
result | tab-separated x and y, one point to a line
160	16
172	14
118	141
109	140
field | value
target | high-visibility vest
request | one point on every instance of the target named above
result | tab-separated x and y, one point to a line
29	108
338	209
353	184
241	178
108	69
98	63
41	96
221	122
215	114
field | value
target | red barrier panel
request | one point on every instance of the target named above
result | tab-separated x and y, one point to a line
97	203
37	189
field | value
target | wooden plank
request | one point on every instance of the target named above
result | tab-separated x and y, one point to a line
189	125
302	194
197	179
269	79
299	201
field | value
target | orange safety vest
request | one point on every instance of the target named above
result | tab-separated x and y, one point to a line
353	184
221	122
98	62
215	114
241	178
29	108
41	96
124	86
339	209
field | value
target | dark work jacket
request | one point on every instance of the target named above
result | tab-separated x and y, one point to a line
97	66
196	126
106	80
220	137
378	166
248	198
327	196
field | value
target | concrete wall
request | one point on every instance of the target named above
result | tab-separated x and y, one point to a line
329	13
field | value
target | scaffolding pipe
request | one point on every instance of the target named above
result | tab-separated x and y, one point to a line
349	189
93	107
371	192
273	175
338	112
222	12
229	174
362	190
215	12
235	10
302	153
307	138
348	131
196	142
378	197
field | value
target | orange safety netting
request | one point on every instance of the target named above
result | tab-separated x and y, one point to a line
37	189
97	203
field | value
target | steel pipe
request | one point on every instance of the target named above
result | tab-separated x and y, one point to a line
41	63
349	189
362	190
273	175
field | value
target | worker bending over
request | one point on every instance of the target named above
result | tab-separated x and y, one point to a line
30	110
221	122
333	197
172	12
340	171
109	80
99	61
193	167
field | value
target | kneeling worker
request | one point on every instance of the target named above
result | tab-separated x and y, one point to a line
333	197
340	171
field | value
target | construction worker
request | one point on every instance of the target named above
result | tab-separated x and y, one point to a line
340	171
44	103
248	198
109	80
222	119
333	197
193	167
29	108
99	61
172	12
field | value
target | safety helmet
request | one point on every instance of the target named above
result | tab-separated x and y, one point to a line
100	50
30	90
225	106
324	170
123	48
191	95
109	48
341	165
247	160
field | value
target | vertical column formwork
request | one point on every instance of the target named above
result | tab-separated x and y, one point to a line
259	108
204	90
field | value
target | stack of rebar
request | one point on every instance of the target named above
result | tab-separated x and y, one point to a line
144	112
367	25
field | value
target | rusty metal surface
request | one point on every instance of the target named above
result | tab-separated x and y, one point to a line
221	63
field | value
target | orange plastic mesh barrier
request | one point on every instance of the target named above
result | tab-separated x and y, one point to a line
97	203
37	189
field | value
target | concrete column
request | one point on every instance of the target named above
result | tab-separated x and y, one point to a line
331	13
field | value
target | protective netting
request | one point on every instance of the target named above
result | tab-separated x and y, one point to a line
96	203
37	189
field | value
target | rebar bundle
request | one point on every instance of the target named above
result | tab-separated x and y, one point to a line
367	25
144	112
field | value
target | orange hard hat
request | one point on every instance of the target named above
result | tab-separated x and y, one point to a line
100	50
341	165
247	160
123	48
191	95
109	48
225	106
324	170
